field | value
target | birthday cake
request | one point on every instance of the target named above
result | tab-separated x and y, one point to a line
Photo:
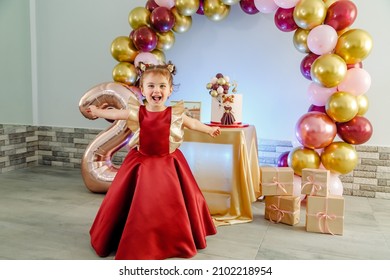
226	104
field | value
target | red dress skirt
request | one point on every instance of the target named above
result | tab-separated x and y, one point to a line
154	208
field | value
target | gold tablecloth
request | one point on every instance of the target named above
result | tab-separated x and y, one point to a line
227	171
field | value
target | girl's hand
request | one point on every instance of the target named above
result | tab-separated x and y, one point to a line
214	131
92	110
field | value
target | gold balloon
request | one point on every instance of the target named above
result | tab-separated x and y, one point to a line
354	45
125	72
341	106
309	13
165	41
362	102
301	157
159	55
215	10
182	23
329	2
339	157
328	70
123	49
230	2
300	40
138	17
187	7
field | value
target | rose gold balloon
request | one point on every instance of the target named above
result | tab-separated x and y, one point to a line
97	169
315	130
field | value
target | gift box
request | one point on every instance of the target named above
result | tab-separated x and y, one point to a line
283	209
325	214
276	180
315	181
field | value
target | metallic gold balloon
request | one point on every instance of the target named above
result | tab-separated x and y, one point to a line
309	13
215	10
328	70
165	41
342	106
300	40
182	23
97	168
339	157
138	17
230	2
187	7
159	55
354	46
301	157
123	49
125	72
362	102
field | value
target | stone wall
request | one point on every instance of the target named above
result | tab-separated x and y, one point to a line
25	146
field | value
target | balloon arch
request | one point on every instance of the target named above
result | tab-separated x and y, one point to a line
332	64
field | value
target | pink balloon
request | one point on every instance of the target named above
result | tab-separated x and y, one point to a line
286	4
306	63
284	20
315	130
248	6
341	14
266	6
322	39
282	159
165	3
297	187
318	94
145	57
335	185
357	81
162	19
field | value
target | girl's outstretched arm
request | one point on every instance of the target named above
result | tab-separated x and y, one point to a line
110	114
195	124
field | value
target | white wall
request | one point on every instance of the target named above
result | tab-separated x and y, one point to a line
15	63
73	55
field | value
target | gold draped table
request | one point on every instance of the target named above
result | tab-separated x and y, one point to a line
227	171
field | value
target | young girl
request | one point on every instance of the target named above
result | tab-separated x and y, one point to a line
154	208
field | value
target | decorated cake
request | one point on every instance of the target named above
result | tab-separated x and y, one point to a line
226	104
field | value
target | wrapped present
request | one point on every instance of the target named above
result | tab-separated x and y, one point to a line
315	181
283	209
276	180
325	214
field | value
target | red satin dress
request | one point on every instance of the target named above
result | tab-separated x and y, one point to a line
154	208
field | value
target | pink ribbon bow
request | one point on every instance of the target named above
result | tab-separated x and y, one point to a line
315	187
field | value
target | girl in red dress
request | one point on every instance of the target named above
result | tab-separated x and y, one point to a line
154	208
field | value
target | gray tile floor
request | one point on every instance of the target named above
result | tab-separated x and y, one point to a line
46	213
